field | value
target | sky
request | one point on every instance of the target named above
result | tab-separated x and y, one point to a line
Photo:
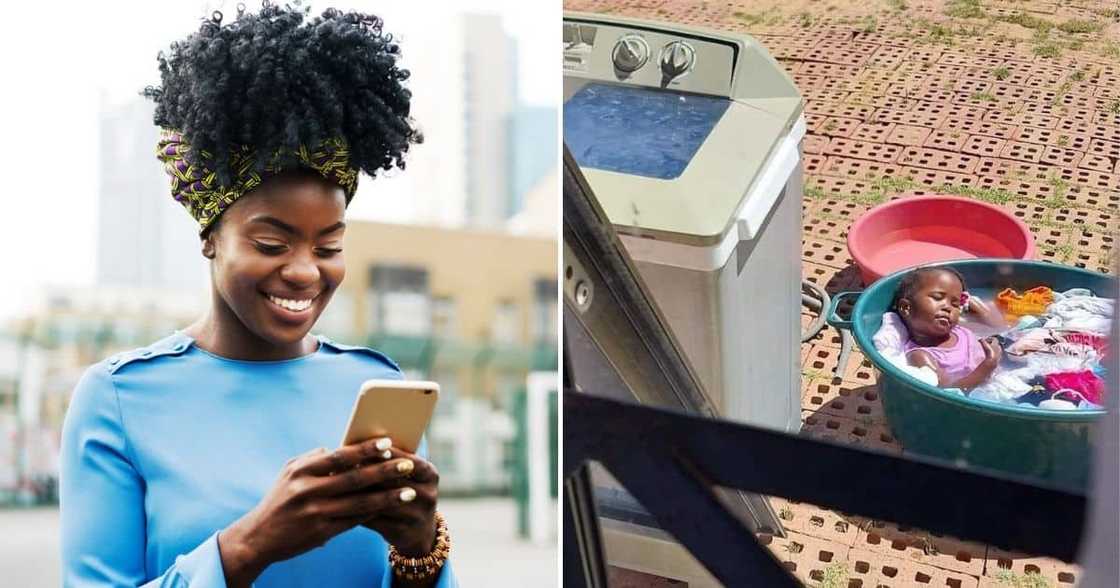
63	60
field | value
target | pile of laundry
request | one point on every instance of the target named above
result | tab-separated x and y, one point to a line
1054	359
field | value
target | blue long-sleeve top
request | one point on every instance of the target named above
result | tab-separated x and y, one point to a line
166	445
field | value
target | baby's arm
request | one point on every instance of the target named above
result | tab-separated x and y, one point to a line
985	313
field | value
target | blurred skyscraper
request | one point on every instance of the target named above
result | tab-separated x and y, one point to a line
144	239
484	151
532	152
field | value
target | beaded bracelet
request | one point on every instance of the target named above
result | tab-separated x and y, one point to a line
423	568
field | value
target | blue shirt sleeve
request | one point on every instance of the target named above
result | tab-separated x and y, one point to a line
102	501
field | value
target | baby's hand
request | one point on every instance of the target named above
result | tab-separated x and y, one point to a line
992	351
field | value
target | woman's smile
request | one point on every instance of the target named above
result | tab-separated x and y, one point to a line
294	310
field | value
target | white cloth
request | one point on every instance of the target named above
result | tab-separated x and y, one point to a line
890	340
892	336
1081	311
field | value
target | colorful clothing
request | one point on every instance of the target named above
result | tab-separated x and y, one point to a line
165	446
198	189
957	361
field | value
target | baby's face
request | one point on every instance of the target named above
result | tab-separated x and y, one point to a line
936	306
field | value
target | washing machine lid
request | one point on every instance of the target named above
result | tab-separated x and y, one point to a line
676	161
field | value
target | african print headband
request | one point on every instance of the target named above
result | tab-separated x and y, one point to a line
196	186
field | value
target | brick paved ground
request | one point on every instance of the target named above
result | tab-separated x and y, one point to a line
1012	102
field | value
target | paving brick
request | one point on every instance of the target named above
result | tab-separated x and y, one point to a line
859	370
1096	162
859	168
875	570
826	253
877	87
856	111
828	69
908	135
1022	151
936	159
909	117
1104	148
973	126
837	126
887	56
1057	572
949	553
931	178
922	53
1002	116
863	150
1097	180
826	228
1052	237
994	166
813	163
817	522
1061	156
1009	92
826	95
804	556
819	275
946	140
840	207
836	190
983	146
1085	197
1106	117
843	399
849	432
872	132
1088	219
814	144
1056	137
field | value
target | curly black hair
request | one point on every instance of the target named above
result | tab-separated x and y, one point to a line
273	82
909	283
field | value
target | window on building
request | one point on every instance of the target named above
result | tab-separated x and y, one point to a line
399	300
506	326
544	310
444	317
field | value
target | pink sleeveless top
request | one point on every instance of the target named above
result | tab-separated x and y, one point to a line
957	361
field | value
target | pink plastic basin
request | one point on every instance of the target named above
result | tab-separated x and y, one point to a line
926	229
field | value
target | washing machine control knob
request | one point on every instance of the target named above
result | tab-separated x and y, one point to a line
630	53
677	59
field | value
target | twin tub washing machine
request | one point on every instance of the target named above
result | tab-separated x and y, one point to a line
690	141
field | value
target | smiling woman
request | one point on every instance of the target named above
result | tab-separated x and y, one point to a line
198	460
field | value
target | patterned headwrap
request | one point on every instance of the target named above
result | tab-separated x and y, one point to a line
198	189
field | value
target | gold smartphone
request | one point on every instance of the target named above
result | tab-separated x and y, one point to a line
398	409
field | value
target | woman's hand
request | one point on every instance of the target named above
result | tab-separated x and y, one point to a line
317	496
409	523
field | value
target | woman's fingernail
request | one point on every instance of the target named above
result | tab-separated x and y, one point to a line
408	495
384	443
387	454
404	466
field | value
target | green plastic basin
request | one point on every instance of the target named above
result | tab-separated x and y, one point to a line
1051	445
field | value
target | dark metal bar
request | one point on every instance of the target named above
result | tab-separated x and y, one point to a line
933	495
584	563
689	509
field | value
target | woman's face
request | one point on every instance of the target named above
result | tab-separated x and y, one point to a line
277	255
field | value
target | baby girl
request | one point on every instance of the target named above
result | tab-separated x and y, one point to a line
930	302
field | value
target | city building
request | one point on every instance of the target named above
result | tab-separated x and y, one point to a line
473	310
144	238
